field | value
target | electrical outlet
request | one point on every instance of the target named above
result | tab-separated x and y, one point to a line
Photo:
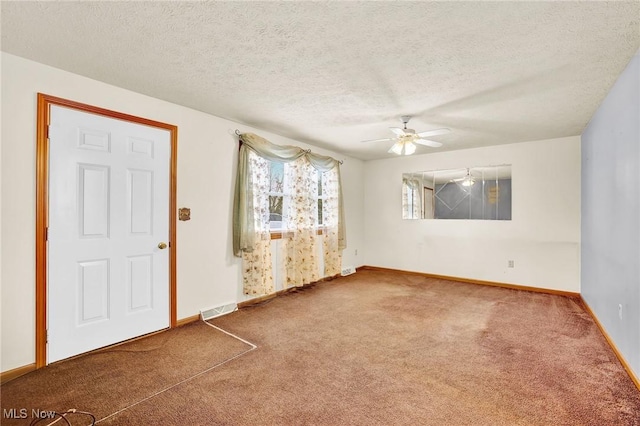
620	311
510	264
356	252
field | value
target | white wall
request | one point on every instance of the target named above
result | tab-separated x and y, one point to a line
208	274
611	214
543	238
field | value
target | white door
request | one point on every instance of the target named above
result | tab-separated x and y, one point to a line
108	277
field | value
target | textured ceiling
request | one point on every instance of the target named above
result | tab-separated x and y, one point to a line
336	73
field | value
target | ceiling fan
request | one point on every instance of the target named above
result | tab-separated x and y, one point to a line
406	139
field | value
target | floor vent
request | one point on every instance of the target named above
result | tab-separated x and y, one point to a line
348	270
207	314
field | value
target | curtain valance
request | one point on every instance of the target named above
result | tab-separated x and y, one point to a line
244	228
286	153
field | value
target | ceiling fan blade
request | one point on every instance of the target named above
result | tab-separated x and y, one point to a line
380	140
397	130
434	132
427	142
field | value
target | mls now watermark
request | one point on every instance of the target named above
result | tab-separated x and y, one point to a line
24	413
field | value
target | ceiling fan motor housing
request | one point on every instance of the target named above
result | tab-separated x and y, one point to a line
405	120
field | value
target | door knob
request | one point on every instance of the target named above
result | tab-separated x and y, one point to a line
162	246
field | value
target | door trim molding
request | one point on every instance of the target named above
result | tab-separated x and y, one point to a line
42	208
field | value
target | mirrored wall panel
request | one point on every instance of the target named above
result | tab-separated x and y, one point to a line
478	193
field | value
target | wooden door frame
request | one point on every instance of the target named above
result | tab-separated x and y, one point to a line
42	207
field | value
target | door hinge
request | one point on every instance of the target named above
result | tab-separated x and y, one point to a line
46	336
46	233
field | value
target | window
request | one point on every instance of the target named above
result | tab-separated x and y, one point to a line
286	195
278	196
320	198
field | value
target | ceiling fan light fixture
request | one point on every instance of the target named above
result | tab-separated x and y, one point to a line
403	146
409	148
397	148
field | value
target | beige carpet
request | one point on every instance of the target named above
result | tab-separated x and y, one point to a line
381	348
104	382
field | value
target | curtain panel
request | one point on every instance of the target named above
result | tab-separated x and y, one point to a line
301	211
257	275
299	236
331	220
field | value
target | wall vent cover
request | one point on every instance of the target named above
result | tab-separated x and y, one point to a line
348	270
209	313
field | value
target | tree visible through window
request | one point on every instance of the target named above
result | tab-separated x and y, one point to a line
320	198
278	195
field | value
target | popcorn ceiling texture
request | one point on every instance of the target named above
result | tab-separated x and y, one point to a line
336	73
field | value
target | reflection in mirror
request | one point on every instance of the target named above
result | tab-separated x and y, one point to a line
480	193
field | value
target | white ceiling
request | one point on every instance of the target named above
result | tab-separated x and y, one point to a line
335	73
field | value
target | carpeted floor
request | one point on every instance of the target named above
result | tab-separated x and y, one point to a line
106	381
374	348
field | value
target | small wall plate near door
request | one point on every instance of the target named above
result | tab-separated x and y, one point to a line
184	213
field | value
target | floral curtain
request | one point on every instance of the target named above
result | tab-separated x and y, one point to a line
300	223
257	273
331	198
251	239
